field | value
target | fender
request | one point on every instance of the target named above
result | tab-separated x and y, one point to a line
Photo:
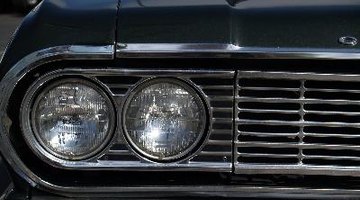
62	22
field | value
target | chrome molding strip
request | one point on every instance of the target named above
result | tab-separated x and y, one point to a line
210	191
296	169
300	75
19	70
218	50
138	166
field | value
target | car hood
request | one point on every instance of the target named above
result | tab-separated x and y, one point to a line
252	23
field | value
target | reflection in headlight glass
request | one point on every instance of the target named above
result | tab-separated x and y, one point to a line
164	119
72	119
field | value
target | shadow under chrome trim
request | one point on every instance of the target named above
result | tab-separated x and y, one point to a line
218	50
10	80
209	191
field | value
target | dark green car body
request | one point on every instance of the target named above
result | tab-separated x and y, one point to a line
296	35
258	24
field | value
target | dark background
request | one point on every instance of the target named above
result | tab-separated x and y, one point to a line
5	179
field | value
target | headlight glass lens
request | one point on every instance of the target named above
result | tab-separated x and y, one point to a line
72	119
165	119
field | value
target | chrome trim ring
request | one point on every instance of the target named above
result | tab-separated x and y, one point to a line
204	130
27	116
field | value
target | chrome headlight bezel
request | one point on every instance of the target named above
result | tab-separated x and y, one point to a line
27	122
199	142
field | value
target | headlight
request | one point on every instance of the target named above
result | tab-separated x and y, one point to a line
164	119
71	119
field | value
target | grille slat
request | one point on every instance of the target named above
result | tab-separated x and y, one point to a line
271	88
305	101
332	113
335	158
268	111
316	125
264	134
332	90
337	135
216	87
220	98
219	142
299	145
222	120
267	155
299	123
221	131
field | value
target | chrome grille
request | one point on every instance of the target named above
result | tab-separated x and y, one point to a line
216	155
300	123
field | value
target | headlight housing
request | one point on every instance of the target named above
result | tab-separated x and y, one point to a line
164	119
70	119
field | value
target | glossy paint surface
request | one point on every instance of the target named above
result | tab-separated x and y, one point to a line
63	22
252	23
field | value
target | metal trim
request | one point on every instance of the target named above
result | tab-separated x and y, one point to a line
142	164
298	168
209	191
34	60
186	163
18	71
219	50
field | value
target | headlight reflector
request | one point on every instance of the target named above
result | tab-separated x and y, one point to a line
164	119
72	119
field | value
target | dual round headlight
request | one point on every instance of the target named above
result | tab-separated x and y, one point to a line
74	119
164	119
71	119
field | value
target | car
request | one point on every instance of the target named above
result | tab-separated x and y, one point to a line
182	99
